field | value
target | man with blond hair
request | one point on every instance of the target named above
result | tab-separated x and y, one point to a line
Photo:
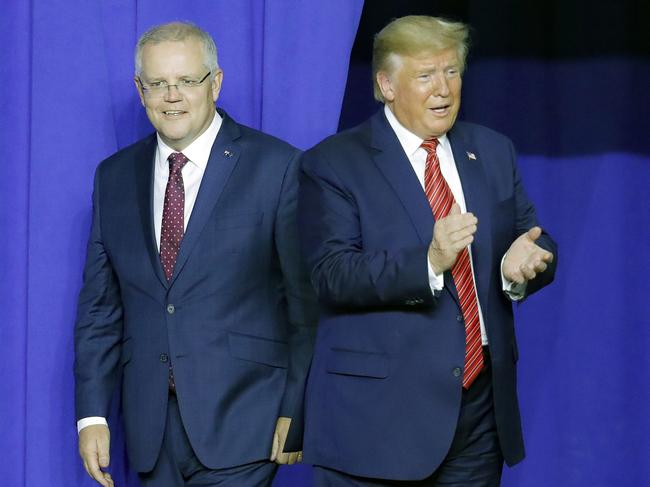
194	297
419	235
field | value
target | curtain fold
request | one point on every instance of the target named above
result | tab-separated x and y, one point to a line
70	102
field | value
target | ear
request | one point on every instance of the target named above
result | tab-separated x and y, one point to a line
386	86
216	84
138	87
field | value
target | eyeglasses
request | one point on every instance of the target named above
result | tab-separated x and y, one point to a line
161	88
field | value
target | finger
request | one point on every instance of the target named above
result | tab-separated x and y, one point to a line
275	447
457	222
534	233
462	243
109	479
462	234
540	267
293	458
282	459
515	276
547	257
98	475
299	457
528	272
455	209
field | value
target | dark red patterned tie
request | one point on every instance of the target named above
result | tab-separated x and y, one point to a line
173	226
441	200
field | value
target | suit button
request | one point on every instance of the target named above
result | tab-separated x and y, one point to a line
171	309
459	318
457	371
164	357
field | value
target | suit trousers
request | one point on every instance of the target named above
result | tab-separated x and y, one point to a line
474	458
178	466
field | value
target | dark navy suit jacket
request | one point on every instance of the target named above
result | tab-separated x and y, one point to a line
384	390
236	320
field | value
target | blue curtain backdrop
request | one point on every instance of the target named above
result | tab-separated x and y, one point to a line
568	82
577	110
67	69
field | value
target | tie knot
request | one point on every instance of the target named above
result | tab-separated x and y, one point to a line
176	161
430	145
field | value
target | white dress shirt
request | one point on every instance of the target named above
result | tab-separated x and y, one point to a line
417	156
198	153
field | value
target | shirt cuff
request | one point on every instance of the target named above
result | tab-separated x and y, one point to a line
514	291
89	421
436	281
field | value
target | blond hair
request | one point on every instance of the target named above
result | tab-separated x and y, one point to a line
413	35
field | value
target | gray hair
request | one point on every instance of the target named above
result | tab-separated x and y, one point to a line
175	32
412	35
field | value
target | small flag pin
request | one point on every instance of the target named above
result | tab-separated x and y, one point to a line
227	153
471	155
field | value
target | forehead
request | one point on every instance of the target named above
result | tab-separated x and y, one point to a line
173	57
428	60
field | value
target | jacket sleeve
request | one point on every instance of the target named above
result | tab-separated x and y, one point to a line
343	272
301	303
98	329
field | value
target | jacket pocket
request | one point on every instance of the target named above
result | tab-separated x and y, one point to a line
357	363
259	349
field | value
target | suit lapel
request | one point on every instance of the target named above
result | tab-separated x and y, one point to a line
223	157
393	163
144	163
471	169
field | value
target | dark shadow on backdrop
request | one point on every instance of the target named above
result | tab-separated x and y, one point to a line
559	77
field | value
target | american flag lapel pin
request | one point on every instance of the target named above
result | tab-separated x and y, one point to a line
227	153
471	155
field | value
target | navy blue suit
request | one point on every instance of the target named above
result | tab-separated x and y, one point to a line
384	390
236	319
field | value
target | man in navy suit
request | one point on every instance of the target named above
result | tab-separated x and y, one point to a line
419	235
194	298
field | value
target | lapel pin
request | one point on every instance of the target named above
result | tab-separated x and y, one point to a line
471	155
227	153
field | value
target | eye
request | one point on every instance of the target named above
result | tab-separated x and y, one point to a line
452	72
188	82
157	84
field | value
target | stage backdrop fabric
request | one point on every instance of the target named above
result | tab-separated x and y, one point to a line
67	69
568	82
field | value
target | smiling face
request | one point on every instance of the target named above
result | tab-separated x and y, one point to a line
179	116
423	91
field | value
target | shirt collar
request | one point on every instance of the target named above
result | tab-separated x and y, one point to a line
198	152
408	140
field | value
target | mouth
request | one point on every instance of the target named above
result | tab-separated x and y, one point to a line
441	110
174	113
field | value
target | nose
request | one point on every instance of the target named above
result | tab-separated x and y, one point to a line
173	93
440	85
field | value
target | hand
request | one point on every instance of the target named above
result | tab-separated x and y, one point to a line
94	445
525	259
451	234
279	438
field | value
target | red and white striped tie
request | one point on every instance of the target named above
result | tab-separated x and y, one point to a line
441	200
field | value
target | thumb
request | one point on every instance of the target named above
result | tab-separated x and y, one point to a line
103	455
534	233
455	209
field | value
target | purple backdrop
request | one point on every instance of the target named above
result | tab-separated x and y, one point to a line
580	125
67	67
